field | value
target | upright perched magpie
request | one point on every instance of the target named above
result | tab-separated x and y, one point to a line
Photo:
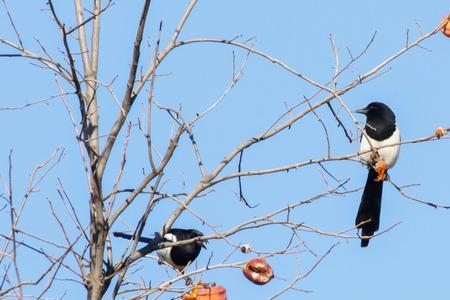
381	130
178	256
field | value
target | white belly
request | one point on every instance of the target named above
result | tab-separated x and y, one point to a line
164	254
388	154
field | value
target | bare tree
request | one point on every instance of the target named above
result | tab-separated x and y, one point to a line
88	254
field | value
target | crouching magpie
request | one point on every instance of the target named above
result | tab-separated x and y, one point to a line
380	131
180	256
177	256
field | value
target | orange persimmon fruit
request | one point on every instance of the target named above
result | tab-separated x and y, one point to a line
206	291
446	26
212	293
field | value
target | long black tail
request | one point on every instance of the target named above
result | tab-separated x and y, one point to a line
370	207
130	237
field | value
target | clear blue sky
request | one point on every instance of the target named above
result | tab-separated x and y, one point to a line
409	262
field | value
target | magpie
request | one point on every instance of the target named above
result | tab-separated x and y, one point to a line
180	256
177	256
380	130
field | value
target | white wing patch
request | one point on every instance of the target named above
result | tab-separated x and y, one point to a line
170	237
389	154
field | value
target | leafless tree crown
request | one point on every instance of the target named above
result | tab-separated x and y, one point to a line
86	254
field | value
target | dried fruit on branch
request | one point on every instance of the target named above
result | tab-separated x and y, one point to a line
258	271
246	248
440	132
446	27
380	167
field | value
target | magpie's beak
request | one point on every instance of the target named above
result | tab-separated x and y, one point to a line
361	111
202	244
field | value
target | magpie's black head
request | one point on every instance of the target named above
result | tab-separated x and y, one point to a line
187	234
195	233
380	123
377	112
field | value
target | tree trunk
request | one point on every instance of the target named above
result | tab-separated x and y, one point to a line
98	233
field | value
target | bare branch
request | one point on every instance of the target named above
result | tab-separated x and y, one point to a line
235	80
300	277
168	155
52	65
31	103
400	190
130	96
150	104
12	24
74	78
120	173
80	17
82	36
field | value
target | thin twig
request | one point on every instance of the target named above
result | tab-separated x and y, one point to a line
12	24
400	190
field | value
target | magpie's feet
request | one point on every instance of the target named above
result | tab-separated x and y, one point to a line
188	281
